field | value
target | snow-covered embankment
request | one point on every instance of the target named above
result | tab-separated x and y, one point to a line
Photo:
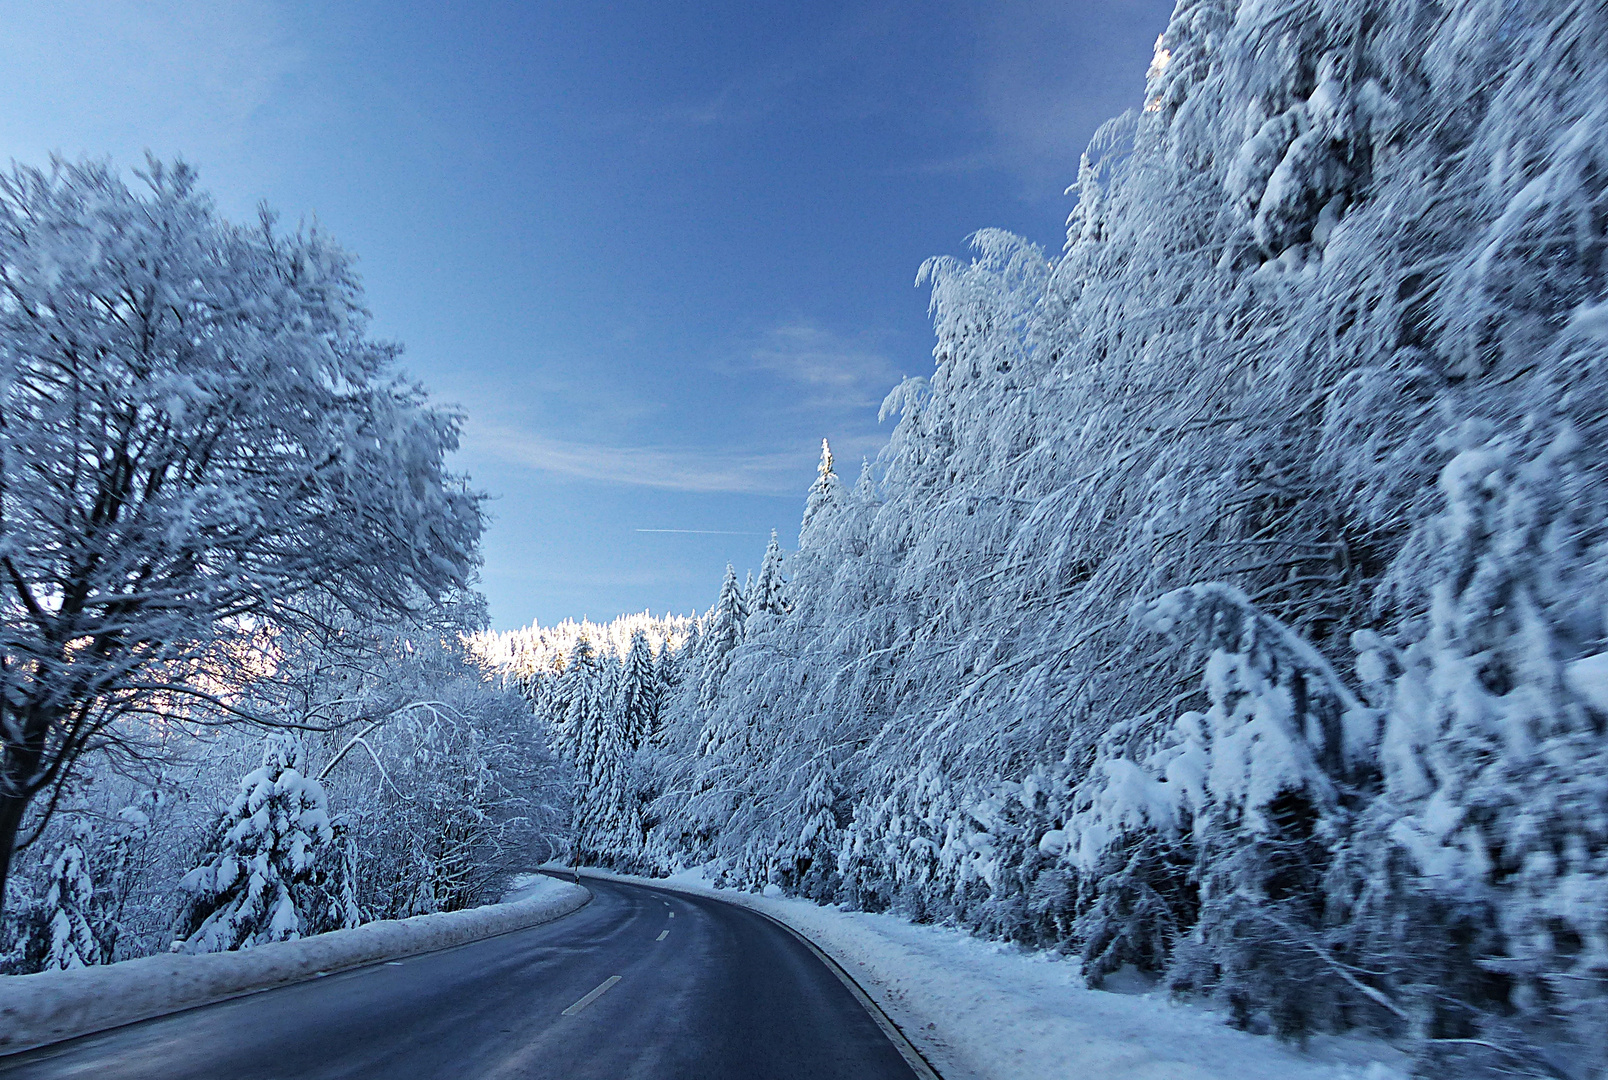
39	1009
981	1010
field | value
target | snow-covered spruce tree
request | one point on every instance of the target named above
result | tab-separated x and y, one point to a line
617	791
1225	827
770	588
668	670
575	703
585	736
807	860
722	634
69	906
200	441
826	492
1491	839
333	889
637	695
107	821
246	890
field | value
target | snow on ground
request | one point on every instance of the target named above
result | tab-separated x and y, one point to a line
522	887
49	1006
983	1010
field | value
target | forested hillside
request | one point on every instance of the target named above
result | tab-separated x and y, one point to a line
1229	600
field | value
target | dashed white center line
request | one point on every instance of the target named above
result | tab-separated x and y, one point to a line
662	935
672	914
593	996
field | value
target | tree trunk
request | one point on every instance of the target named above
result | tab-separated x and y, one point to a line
12	808
19	771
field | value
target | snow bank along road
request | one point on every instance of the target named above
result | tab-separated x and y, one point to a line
51	1006
641	982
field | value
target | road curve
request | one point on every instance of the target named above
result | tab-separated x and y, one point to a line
640	983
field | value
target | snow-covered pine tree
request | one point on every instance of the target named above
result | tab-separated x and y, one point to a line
723	634
69	905
825	494
770	588
638	694
262	850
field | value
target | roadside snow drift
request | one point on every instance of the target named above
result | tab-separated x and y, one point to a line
36	1010
980	1010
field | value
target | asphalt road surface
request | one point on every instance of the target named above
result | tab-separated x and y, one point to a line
640	983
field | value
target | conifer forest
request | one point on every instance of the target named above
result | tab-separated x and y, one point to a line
1228	604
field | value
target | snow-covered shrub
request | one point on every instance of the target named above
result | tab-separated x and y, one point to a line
445	799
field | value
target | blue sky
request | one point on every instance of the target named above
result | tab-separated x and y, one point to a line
656	251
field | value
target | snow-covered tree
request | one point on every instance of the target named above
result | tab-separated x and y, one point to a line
68	907
637	695
770	588
722	634
125	857
264	848
201	444
825	494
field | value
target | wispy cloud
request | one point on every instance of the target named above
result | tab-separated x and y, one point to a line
674	469
168	74
768	84
835	371
700	532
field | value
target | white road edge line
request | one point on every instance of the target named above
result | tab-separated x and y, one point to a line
907	1049
662	935
913	1057
593	996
